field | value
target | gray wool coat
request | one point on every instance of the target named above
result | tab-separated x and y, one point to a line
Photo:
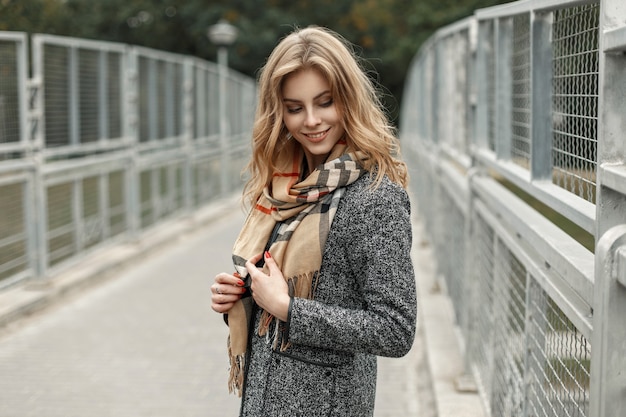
365	306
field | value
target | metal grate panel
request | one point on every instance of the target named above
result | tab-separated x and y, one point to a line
9	93
56	95
480	334
117	222
559	359
13	239
452	254
575	99
509	341
521	117
88	95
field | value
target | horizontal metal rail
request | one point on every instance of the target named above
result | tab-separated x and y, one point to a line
510	126
112	141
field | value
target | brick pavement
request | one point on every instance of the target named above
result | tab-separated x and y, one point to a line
146	343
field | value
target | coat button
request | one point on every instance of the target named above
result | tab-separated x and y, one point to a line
277	360
328	373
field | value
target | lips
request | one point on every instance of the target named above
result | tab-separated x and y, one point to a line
317	136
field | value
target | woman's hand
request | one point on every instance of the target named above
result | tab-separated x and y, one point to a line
226	291
269	291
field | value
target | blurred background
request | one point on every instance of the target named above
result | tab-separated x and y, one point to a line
389	32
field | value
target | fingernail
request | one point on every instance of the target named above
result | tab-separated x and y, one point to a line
241	283
267	254
236	275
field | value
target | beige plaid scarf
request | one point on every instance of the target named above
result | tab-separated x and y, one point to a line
302	211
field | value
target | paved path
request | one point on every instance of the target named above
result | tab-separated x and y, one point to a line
146	343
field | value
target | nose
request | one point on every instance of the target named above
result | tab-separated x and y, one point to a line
312	119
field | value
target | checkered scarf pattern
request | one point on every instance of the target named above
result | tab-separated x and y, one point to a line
304	211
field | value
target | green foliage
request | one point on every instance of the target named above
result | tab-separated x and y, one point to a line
388	32
30	15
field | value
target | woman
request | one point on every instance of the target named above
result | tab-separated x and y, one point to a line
324	279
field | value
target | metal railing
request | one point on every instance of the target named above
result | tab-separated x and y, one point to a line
105	141
513	127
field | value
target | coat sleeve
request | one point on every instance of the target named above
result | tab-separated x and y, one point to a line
379	257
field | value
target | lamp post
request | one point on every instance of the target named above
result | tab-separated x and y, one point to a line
223	34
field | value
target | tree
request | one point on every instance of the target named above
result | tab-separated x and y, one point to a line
387	32
30	15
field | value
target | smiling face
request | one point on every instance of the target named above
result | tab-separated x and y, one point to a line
310	114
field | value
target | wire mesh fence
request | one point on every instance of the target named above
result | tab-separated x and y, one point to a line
503	213
558	361
14	238
106	142
520	74
9	120
575	99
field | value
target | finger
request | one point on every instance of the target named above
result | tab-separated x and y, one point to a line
225	291
224	278
218	289
271	264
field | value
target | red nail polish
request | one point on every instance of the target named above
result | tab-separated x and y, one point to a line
267	254
241	283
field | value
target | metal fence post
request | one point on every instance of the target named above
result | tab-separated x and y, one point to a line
30	137
481	126
38	144
103	99
74	96
222	59
189	121
608	376
541	96
611	183
608	363
503	108
131	126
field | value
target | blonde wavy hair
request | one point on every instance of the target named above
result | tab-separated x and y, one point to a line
354	93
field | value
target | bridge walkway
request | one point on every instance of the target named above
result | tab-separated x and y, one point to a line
142	340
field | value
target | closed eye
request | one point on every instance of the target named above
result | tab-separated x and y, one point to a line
293	110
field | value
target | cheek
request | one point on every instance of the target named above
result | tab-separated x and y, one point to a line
290	122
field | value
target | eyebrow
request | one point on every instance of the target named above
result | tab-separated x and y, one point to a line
314	98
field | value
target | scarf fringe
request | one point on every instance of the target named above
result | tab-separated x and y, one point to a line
236	373
302	286
305	285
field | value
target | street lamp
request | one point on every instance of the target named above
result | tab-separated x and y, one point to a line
223	34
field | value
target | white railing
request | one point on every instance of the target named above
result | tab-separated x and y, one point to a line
105	141
513	127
